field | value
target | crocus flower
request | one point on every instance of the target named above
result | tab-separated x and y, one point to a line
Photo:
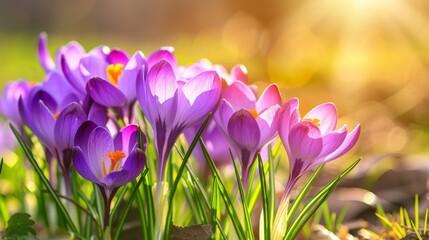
110	162
9	100
171	104
247	123
313	139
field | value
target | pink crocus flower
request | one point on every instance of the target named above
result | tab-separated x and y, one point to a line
248	124
313	139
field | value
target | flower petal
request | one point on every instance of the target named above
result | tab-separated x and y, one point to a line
222	116
117	56
162	54
332	141
270	97
239	95
128	79
305	142
239	73
128	138
82	136
347	144
99	143
327	115
244	130
289	117
162	81
43	53
268	124
81	165
105	93
67	124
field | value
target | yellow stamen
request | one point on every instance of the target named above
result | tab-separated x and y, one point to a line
56	115
114	159
254	113
316	121
113	72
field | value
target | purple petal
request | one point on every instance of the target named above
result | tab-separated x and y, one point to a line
305	142
289	117
117	56
244	130
198	97
67	124
270	97
93	65
77	82
99	143
82	135
44	124
162	81
222	116
128	138
105	93
327	114
332	141
81	165
348	143
162	54
130	170
98	114
239	95
127	81
9	100
43	53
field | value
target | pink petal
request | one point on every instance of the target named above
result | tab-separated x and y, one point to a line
270	97
239	73
305	142
347	144
268	124
162	81
327	115
240	96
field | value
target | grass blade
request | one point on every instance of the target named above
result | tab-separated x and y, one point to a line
265	199
45	181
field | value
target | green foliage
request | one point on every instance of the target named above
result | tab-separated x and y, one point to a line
1	165
19	226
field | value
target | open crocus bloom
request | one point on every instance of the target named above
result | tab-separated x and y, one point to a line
313	139
248	124
108	161
173	104
9	100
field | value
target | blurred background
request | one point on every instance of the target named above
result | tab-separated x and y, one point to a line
369	57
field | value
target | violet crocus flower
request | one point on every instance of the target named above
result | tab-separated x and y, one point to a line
9	101
172	104
313	139
247	123
110	162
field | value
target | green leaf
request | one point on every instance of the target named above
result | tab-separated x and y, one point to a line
265	199
19	225
45	181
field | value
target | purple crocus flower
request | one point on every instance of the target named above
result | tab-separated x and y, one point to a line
313	139
173	104
9	100
247	123
110	162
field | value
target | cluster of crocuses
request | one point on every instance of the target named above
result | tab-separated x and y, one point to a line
88	96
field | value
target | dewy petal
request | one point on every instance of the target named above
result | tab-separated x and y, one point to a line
268	124
43	53
162	81
327	114
128	138
67	124
105	93
162	54
239	95
244	130
81	165
127	80
117	56
305	142
347	144
99	143
270	97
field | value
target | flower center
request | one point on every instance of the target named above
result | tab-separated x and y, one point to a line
114	160
113	72
316	121
56	115
254	113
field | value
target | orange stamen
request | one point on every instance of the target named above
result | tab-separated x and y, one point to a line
114	71
56	115
316	121
114	159
254	113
